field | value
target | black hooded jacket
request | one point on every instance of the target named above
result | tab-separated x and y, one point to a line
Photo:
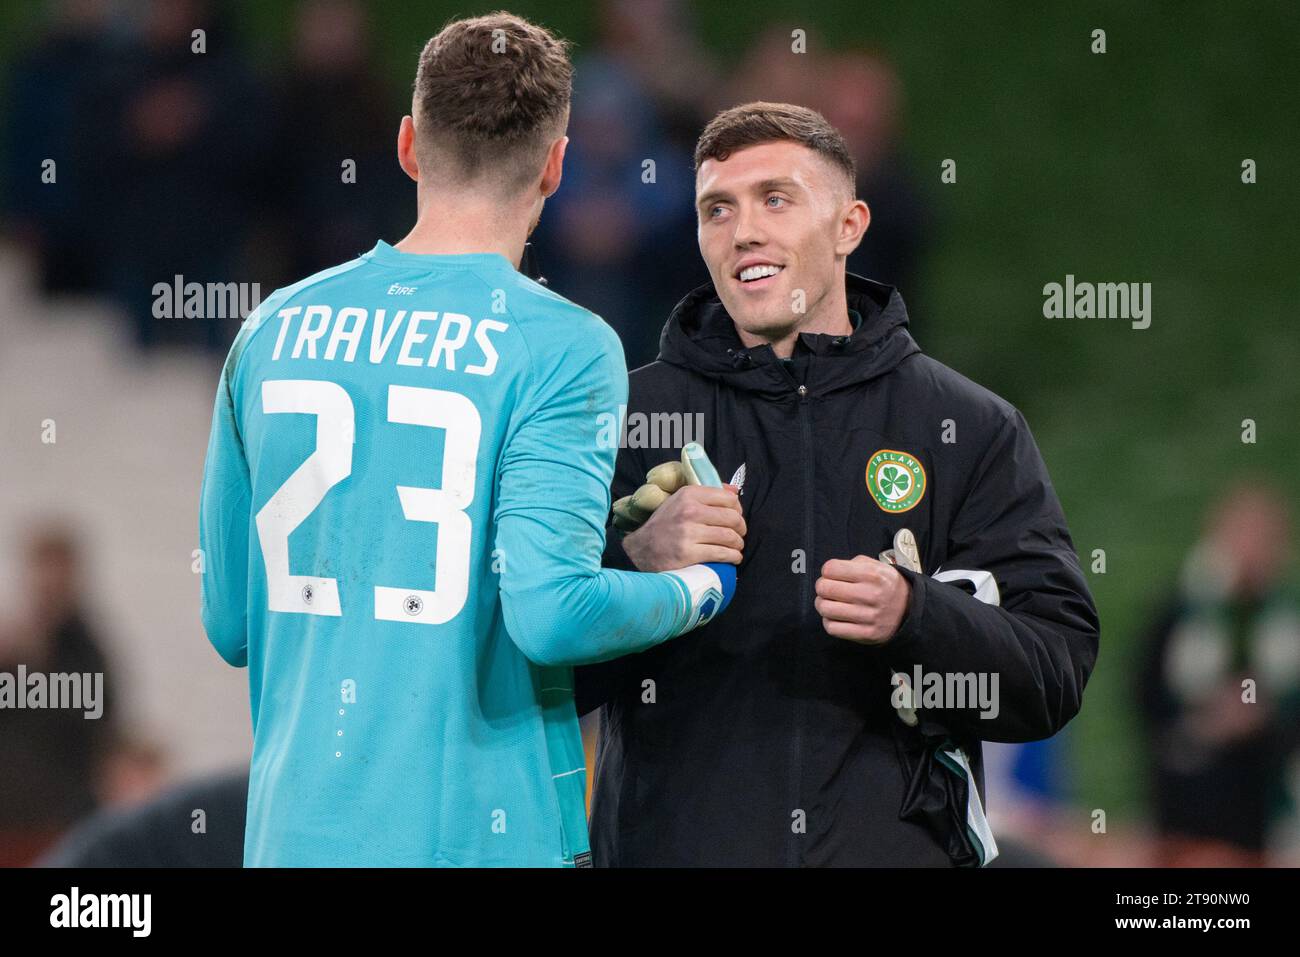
760	739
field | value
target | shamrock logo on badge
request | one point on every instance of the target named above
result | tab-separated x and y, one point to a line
894	482
895	479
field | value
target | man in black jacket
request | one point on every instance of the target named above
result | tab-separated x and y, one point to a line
783	734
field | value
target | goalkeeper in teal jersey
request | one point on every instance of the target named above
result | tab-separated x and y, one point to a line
404	502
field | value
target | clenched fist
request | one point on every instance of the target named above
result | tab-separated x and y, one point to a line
862	599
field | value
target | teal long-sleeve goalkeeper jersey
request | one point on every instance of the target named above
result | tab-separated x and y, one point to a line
401	525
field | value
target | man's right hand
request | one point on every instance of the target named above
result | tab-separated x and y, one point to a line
696	524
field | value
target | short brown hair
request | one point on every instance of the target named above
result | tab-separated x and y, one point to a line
752	124
491	94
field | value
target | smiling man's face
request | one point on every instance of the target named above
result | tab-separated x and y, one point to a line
776	221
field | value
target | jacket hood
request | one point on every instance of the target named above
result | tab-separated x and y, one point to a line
701	337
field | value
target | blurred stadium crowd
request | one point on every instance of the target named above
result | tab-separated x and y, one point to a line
212	168
218	171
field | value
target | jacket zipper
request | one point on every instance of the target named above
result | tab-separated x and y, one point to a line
796	763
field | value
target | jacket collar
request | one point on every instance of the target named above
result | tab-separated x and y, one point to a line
701	336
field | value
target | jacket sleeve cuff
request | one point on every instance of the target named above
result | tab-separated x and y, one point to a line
908	634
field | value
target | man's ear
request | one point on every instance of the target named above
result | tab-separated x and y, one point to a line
554	167
853	226
406	148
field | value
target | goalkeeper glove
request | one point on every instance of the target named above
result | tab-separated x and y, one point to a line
710	585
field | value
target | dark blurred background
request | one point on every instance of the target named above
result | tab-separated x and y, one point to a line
1122	166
